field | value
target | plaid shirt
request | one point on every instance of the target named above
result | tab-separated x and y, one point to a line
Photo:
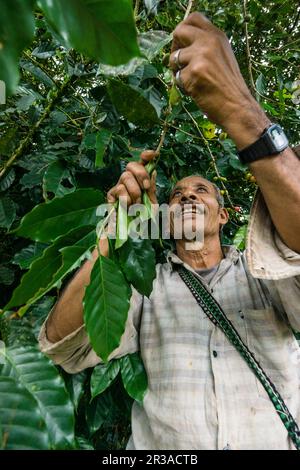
201	393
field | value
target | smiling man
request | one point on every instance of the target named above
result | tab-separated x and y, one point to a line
202	394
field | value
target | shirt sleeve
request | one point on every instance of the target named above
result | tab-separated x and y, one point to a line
272	261
74	352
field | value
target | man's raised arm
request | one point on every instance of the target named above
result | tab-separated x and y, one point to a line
210	74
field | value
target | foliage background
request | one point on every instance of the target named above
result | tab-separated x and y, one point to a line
95	120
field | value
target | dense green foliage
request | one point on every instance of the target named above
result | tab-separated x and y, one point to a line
80	111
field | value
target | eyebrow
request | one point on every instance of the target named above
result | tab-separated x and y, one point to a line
196	185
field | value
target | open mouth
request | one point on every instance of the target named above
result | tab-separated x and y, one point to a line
193	209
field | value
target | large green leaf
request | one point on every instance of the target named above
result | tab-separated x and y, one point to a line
134	376
102	377
31	371
21	423
150	42
137	258
106	304
132	105
14	38
103	30
55	263
49	220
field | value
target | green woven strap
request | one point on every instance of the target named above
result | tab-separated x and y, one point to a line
216	314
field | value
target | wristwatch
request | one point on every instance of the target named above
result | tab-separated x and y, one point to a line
272	141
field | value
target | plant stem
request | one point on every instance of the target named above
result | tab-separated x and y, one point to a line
248	52
56	94
188	9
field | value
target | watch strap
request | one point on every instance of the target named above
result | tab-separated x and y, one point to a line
257	150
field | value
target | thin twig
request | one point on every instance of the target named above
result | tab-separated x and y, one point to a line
169	110
188	9
248	52
293	26
28	139
136	9
211	156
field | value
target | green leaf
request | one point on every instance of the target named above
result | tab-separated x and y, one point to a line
76	385
21	423
107	27
260	84
134	376
25	257
8	180
7	212
98	411
151	6
40	379
49	220
53	176
150	42
106	304
14	38
102	377
102	141
37	72
137	258
122	226
55	263
239	239
132	105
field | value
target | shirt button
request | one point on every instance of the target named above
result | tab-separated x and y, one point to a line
215	353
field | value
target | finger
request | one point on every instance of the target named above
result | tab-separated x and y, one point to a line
184	35
183	59
185	83
148	155
132	186
140	174
121	193
111	198
198	20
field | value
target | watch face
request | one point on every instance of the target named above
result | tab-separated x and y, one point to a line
278	137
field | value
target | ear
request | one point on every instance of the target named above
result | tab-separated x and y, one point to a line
223	216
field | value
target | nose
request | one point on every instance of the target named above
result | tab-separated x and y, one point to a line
188	196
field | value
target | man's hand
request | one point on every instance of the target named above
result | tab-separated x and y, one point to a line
211	76
134	180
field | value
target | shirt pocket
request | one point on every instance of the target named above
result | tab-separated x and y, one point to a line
275	348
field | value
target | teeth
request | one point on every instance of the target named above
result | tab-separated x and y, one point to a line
193	210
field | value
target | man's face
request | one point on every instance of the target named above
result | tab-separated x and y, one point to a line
196	195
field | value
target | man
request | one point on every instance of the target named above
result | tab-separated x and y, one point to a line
201	393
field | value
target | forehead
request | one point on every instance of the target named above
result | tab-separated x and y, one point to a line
191	181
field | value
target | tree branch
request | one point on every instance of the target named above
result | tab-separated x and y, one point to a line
24	144
248	52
